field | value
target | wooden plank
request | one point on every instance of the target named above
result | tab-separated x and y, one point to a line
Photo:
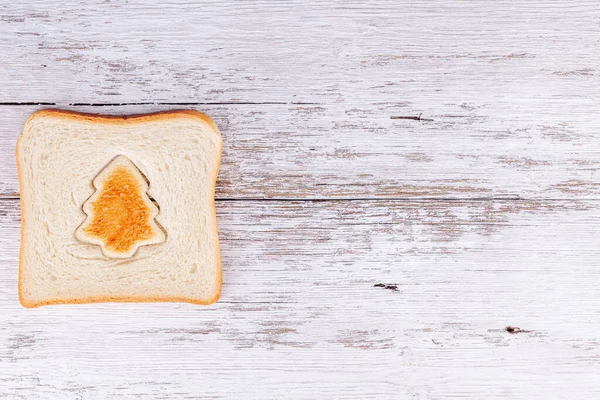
509	95
300	316
347	151
437	56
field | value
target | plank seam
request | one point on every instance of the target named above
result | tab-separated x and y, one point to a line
156	103
381	199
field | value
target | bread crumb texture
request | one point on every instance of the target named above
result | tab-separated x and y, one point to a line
120	217
120	213
118	208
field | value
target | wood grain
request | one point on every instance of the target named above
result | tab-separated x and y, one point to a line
341	151
436	56
508	106
407	203
487	103
300	316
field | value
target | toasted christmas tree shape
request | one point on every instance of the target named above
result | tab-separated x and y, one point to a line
120	214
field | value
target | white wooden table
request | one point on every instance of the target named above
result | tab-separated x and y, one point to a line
401	182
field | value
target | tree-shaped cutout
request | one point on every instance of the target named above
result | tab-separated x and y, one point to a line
120	215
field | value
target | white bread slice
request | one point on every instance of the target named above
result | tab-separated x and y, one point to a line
64	160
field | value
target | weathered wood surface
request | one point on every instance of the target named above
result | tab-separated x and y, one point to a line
448	149
300	317
437	56
340	151
512	89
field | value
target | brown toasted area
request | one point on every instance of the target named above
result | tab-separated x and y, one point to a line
120	217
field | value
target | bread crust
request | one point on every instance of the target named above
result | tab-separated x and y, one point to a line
120	119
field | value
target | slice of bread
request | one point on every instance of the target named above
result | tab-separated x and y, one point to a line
118	208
